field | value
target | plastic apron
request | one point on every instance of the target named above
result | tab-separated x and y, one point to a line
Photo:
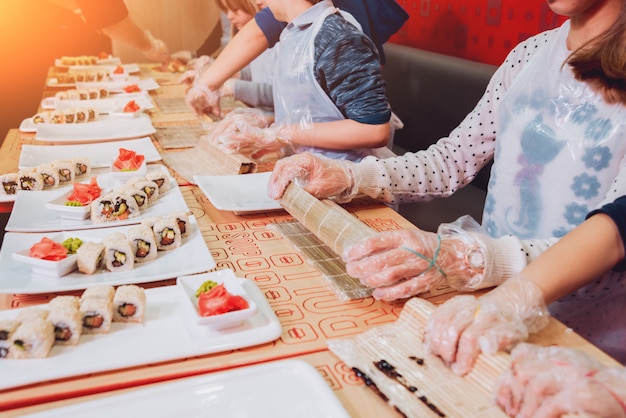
558	154
298	98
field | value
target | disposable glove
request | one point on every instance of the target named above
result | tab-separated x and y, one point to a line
202	100
404	263
254	141
158	50
320	176
195	68
464	326
555	381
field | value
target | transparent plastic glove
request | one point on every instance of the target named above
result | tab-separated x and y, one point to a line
322	177
195	68
463	327
554	381
202	100
158	50
402	264
238	121
183	56
254	141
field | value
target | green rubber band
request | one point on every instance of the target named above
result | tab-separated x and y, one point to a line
432	262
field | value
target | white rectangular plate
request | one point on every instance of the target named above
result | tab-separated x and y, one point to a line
280	389
191	257
165	335
145	84
128	68
107	105
29	212
101	61
100	154
243	193
105	128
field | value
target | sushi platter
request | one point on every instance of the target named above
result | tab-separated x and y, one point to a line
144	343
30	212
19	277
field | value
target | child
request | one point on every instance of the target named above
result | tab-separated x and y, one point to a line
329	93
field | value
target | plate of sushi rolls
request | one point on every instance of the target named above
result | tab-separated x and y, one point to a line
131	254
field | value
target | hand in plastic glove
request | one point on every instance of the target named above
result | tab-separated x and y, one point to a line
203	101
158	50
195	68
463	327
554	381
254	141
238	121
401	264
184	56
322	177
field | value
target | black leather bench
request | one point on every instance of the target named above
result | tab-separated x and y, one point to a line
432	93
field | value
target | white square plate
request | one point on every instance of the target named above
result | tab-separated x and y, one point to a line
163	336
100	154
191	257
48	267
29	212
280	389
243	193
189	284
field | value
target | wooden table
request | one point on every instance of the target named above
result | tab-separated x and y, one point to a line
308	310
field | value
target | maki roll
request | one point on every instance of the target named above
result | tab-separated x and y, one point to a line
96	315
61	95
72	94
9	183
65	168
113	207
99	292
57	116
83	94
150	188
67	323
91	114
33	338
30	313
118	253
30	179
161	179
139	195
49	175
70	115
82	168
90	256
42	117
167	233
64	302
7	328
143	243
129	304
81	115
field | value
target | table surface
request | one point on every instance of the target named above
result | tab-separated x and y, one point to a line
309	311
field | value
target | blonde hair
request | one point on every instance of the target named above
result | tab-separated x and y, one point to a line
601	62
248	6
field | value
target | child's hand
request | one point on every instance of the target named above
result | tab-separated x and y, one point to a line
203	101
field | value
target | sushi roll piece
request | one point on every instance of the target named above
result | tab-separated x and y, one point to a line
82	168
113	207
96	315
182	219
129	304
104	93
70	115
91	114
99	292
61	95
143	243
94	93
57	117
118	253
72	94
83	94
30	313
30	179
33	338
66	171
49	175
90	256
67	323
81	115
9	183
150	188
7	328
167	234
139	195
161	179
65	301
42	117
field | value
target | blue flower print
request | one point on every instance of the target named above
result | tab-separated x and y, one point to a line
538	99
598	129
597	158
586	186
584	113
575	213
520	104
489	204
561	232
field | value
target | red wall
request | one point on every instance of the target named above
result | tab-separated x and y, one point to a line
478	30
